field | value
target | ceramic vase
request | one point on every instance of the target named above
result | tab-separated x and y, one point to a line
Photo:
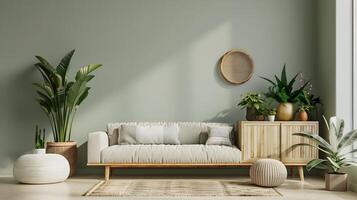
285	112
302	116
39	151
271	118
251	114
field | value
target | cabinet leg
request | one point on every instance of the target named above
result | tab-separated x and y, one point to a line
106	173
301	173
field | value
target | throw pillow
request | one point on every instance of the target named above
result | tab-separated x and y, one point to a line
127	134
150	134
219	135
171	134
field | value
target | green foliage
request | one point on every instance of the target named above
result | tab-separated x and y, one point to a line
335	149
271	111
308	102
252	100
58	97
282	90
40	138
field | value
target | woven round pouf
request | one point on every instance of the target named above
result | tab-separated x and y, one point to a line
41	168
268	173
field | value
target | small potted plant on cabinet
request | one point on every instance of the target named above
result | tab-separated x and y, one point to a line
271	114
60	98
40	141
252	102
302	114
283	92
337	153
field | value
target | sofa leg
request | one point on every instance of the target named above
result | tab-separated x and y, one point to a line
301	173
107	172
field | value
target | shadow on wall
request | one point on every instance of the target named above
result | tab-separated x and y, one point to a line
21	114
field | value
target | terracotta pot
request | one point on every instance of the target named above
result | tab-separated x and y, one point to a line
302	116
251	114
336	182
66	149
285	112
260	118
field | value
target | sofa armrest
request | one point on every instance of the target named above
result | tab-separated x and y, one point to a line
97	141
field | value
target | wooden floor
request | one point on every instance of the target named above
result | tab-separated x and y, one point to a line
72	189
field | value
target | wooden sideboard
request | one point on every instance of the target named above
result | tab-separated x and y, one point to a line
275	140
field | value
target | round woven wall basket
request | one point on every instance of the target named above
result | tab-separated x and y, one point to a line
236	67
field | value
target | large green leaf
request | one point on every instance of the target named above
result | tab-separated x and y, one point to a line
270	81
348	139
83	96
316	138
45	88
86	70
74	93
64	64
334	164
349	152
283	76
291	83
314	163
311	145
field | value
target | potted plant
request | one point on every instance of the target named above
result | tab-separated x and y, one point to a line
252	102
271	114
283	92
60	98
336	154
260	113
40	141
302	114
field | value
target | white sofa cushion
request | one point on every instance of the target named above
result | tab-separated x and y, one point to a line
219	136
170	154
188	131
171	134
148	134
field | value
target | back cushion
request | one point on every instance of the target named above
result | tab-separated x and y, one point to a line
148	134
189	132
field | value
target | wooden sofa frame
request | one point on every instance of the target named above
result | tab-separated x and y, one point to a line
110	166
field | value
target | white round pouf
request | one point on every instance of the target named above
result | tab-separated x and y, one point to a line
268	173
41	168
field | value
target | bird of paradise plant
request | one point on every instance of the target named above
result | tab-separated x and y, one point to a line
59	97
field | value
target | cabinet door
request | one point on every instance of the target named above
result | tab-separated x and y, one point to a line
259	140
300	154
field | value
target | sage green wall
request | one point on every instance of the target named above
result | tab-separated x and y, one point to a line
159	59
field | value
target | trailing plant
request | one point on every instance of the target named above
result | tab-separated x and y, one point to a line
282	90
252	100
338	149
60	97
40	138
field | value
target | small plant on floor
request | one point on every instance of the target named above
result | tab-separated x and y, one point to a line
40	138
253	102
338	150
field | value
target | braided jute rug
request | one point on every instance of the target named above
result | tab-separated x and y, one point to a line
147	188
